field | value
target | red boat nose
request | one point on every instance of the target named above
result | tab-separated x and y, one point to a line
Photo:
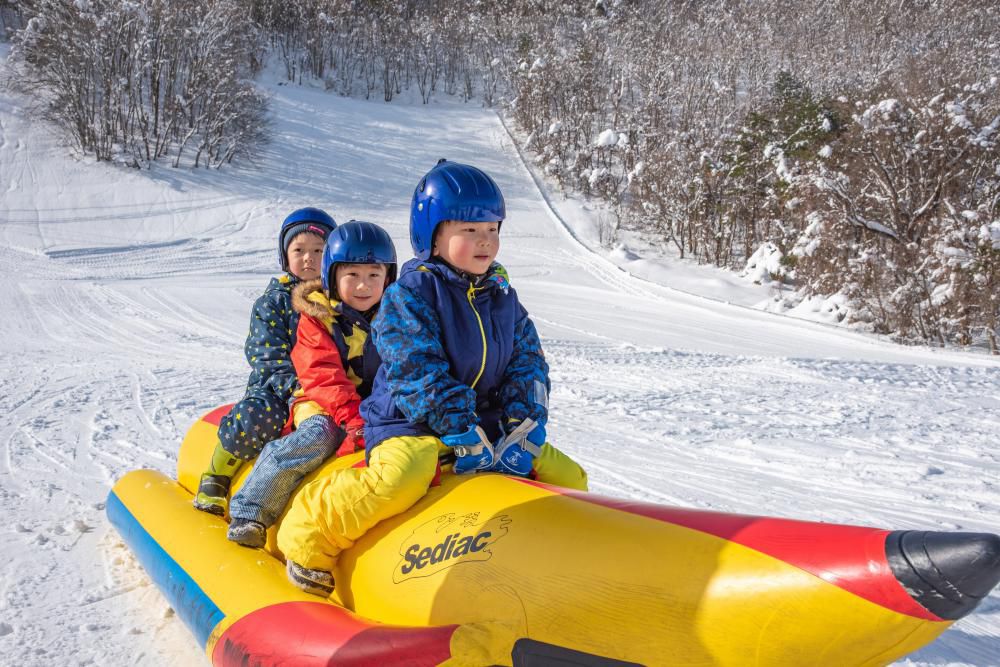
949	574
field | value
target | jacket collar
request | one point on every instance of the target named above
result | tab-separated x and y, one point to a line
496	277
285	281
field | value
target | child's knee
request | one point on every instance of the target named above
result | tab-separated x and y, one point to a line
406	463
322	430
554	467
251	424
300	539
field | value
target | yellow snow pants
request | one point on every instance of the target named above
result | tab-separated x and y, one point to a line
331	513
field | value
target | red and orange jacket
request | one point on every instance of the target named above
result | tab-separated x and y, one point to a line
334	360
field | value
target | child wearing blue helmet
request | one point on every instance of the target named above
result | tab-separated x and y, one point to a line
461	369
260	415
335	364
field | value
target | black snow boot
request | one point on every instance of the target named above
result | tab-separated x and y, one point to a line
247	532
317	582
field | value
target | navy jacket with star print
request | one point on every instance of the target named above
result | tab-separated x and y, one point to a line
261	414
273	323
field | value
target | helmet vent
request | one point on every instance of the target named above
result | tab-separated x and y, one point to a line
453	182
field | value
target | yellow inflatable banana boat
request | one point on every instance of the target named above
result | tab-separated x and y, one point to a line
488	569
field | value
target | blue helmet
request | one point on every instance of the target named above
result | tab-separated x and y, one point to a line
299	221
357	242
451	191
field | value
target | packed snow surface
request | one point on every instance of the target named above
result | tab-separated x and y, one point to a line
126	303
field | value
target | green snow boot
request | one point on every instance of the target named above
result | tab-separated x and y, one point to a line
213	489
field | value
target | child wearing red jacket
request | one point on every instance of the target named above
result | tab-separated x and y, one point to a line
335	363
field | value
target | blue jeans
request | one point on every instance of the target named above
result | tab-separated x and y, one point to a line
281	466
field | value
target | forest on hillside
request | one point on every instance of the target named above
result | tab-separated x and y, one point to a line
852	143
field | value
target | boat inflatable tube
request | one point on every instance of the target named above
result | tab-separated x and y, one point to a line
488	569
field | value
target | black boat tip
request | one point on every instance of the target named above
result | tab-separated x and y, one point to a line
949	574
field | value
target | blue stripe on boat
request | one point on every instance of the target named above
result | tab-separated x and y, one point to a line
191	603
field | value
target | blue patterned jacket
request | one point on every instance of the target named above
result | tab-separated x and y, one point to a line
268	348
455	352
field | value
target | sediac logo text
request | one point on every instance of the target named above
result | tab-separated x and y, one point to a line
448	540
452	547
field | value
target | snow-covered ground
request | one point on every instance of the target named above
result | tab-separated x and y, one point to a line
126	303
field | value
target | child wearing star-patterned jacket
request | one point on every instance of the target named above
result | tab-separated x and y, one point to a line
261	415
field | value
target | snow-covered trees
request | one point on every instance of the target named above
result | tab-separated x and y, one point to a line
719	127
137	81
736	141
10	18
907	215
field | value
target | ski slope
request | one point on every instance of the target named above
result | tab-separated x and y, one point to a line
126	304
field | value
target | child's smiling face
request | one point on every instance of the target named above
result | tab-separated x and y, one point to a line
360	286
468	246
305	256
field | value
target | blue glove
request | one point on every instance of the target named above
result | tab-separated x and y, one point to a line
515	454
473	450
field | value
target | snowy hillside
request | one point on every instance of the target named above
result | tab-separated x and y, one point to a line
126	302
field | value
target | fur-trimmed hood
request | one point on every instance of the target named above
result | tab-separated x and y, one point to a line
308	299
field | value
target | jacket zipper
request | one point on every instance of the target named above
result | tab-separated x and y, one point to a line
482	331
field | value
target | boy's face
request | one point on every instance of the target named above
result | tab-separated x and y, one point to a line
469	246
360	286
305	256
